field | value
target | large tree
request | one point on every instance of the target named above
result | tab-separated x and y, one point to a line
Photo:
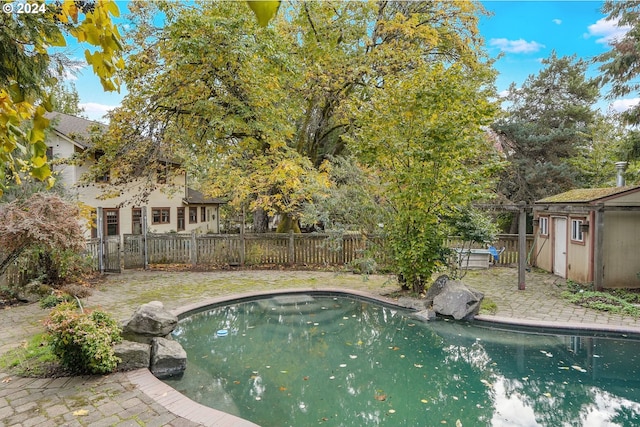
544	122
28	69
621	65
258	113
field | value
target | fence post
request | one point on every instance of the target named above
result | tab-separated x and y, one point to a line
145	257
193	249
522	245
292	249
100	235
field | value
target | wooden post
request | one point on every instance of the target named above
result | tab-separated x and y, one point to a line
242	243
193	249
292	249
100	235
522	246
598	250
145	257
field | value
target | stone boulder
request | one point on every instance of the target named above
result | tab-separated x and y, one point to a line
168	358
133	355
149	321
435	289
458	300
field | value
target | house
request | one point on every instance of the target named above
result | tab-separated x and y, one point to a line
171	207
590	236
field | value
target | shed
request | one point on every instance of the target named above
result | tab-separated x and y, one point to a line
590	236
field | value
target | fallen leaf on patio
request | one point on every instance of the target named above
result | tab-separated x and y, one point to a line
7	380
81	413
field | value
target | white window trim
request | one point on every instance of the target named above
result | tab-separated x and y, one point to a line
576	233
544	225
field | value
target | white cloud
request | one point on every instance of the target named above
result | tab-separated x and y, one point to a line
606	31
516	46
95	111
557	21
620	105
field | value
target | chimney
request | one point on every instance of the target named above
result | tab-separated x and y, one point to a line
620	168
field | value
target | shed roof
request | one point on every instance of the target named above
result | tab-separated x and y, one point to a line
589	195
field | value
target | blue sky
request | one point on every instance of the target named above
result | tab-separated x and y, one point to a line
523	32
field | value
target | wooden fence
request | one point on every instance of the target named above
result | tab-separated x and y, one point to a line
253	249
248	249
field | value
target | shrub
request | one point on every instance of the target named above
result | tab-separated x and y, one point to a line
83	340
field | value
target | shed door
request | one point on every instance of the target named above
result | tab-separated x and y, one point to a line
560	247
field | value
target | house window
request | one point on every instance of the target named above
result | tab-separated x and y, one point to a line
111	223
160	216
544	226
193	215
576	232
136	221
203	214
180	219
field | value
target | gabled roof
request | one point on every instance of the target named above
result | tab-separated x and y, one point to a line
76	129
195	197
589	195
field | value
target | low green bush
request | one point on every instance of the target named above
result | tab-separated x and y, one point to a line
83	341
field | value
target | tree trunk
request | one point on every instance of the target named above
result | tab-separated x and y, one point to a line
260	221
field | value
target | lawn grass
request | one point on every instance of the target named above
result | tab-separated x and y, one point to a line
32	359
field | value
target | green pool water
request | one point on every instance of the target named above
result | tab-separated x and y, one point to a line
311	360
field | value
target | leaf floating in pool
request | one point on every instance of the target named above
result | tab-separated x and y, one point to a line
236	382
547	394
455	397
487	383
284	372
360	342
411	324
417	365
395	348
525	378
343	365
392	411
380	397
402	356
332	377
578	368
282	388
258	398
353	356
458	423
305	378
424	401
566	368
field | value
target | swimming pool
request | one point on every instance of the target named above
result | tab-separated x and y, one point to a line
329	359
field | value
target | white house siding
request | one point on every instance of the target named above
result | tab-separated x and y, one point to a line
62	149
164	197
